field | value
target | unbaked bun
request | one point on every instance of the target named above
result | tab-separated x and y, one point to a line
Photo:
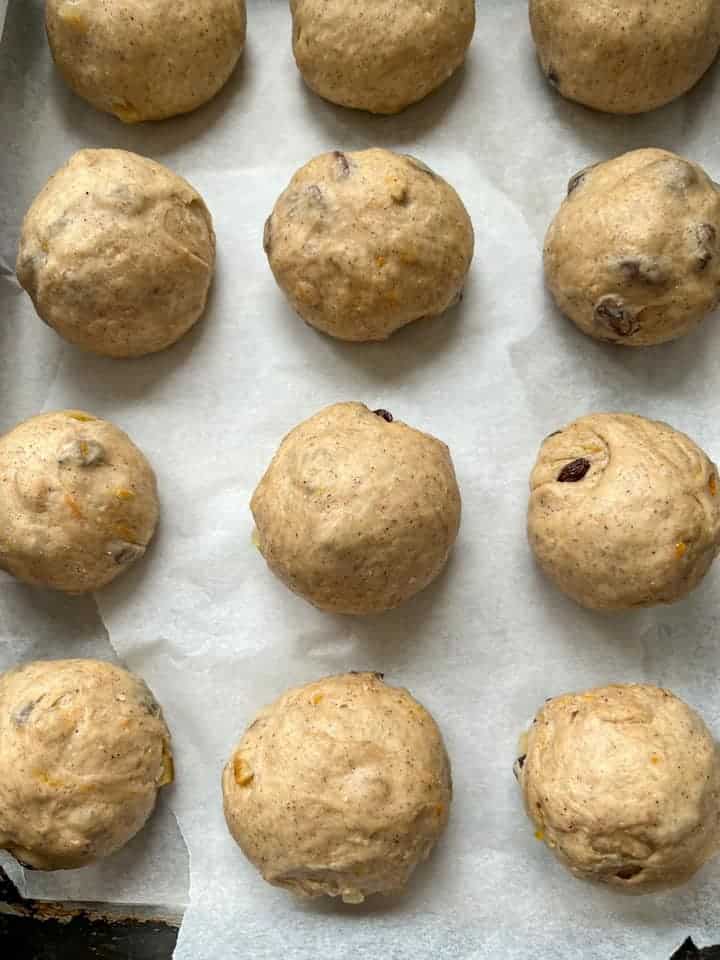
78	501
365	243
146	59
379	55
117	253
632	256
341	787
84	752
623	512
625	57
623	784
357	512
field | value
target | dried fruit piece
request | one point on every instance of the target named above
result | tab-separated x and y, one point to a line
706	236
343	164
610	310
574	471
123	552
647	269
680	550
81	453
241	772
385	414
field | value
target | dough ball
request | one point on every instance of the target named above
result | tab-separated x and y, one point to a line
340	787
623	784
632	256
357	513
625	57
624	512
78	501
84	752
117	253
146	59
379	55
364	243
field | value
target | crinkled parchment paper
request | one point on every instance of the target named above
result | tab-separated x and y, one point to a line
202	619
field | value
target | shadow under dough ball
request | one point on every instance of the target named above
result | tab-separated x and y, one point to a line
357	513
623	784
364	243
632	256
117	253
146	59
626	57
78	501
379	55
85	751
341	787
624	512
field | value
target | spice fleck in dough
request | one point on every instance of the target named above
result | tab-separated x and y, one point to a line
146	59
84	752
623	784
624	512
357	512
341	787
632	256
78	501
364	243
379	55
625	57
117	253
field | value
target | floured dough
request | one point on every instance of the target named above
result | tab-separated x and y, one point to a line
84	752
623	783
624	511
78	501
357	513
625	57
146	59
364	243
632	256
380	55
340	787
117	253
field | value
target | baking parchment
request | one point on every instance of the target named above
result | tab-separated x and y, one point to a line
204	621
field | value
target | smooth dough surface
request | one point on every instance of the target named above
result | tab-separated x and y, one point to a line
632	256
364	243
379	55
623	512
355	513
117	253
83	752
78	501
146	59
340	787
623	784
625	57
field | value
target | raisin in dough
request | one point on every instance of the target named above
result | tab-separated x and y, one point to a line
146	59
624	512
84	752
78	501
625	57
364	243
117	253
632	256
623	784
357	513
379	55
341	787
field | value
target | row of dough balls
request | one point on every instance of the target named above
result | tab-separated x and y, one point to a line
117	252
358	512
151	59
343	786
